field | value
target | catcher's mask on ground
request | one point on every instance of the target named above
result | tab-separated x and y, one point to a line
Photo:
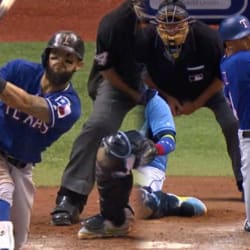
67	41
117	145
145	10
172	23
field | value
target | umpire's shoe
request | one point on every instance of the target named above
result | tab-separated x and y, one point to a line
65	213
99	227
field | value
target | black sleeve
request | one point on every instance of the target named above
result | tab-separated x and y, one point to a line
211	44
104	46
143	44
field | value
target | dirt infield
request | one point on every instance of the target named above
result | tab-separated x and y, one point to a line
221	228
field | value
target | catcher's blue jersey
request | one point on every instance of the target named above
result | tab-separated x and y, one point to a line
158	118
235	71
23	136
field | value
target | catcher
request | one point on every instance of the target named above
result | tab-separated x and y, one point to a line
117	155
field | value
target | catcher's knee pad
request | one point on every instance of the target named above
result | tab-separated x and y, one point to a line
191	206
158	204
147	203
107	165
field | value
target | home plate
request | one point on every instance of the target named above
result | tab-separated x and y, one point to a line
162	245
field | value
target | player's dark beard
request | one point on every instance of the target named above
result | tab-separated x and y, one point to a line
58	79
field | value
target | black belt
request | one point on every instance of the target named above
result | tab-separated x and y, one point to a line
12	160
246	134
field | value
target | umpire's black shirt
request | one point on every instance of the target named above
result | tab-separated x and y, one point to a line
115	45
198	64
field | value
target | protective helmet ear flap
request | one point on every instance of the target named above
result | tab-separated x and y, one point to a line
44	57
66	40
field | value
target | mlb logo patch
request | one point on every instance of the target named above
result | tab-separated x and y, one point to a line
101	59
63	106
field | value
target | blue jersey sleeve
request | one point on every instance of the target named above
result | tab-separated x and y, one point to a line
24	74
23	136
235	74
159	121
158	116
63	115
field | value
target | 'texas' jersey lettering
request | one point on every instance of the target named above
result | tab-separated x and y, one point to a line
27	119
64	108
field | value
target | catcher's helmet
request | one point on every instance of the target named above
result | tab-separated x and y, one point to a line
146	9
234	27
117	145
172	21
66	40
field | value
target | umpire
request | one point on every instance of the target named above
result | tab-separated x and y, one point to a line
114	86
182	57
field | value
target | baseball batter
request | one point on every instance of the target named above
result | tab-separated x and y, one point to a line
235	70
37	105
122	152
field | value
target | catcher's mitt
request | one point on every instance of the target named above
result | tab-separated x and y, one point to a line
148	152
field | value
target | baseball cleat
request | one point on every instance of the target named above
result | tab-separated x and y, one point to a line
191	206
247	226
99	227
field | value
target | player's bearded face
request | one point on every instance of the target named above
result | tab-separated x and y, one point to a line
58	78
60	67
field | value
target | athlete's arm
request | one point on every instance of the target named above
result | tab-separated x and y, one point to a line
116	81
166	144
173	103
191	106
16	97
214	88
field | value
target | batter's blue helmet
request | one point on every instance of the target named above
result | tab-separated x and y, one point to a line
146	9
234	27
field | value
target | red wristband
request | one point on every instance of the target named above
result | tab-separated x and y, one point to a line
160	149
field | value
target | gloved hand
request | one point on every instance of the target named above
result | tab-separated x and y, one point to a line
148	152
147	95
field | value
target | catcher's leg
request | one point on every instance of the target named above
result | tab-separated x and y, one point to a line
114	184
